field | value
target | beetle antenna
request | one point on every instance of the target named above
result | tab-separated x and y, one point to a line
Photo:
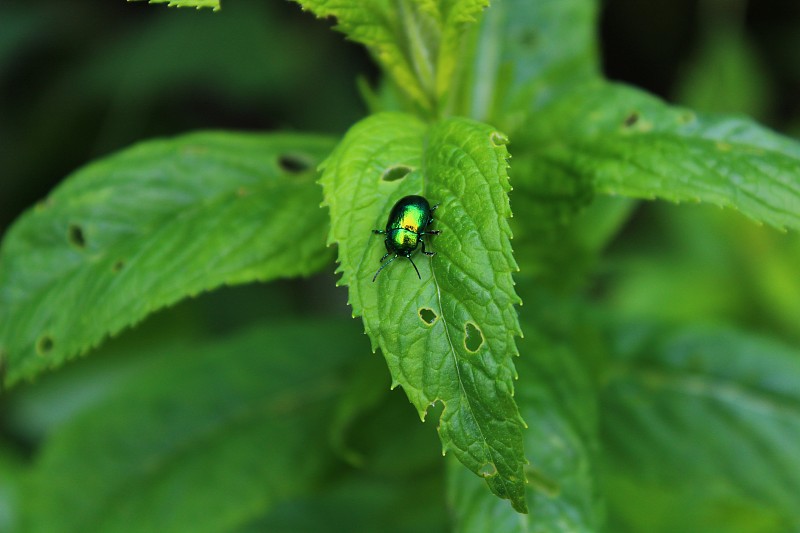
384	266
415	266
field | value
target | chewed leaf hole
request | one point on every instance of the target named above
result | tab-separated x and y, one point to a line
395	173
76	237
498	139
488	470
294	163
44	345
473	338
428	315
631	119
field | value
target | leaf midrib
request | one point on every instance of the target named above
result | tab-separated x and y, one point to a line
465	397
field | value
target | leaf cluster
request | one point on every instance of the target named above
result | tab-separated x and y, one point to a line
607	402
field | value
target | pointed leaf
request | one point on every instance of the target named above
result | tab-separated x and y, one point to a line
153	224
556	394
466	289
207	438
633	144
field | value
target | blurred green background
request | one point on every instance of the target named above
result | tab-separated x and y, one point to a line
79	80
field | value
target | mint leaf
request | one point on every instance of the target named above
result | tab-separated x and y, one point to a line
707	418
146	227
525	54
466	289
197	4
206	439
555	392
632	144
418	43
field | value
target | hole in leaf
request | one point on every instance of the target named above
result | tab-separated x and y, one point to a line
473	338
119	265
76	237
488	470
44	345
395	173
498	139
427	315
294	163
631	119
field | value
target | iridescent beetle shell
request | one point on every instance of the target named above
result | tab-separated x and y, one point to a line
407	224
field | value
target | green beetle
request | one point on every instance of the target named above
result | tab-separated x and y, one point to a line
408	221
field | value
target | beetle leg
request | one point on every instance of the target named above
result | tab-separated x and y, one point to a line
384	257
383	266
423	248
412	264
378	231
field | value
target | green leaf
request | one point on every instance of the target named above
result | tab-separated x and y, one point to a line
206	439
153	224
421	326
556	393
417	42
197	4
705	417
632	144
526	53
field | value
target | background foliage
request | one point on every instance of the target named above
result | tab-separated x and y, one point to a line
659	367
